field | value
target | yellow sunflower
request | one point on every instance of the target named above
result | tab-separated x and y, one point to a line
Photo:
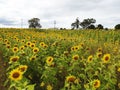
32	58
42	44
49	60
99	54
118	69
42	84
14	58
15	49
106	58
22	68
90	58
32	45
96	83
15	75
35	49
49	87
70	78
75	57
28	43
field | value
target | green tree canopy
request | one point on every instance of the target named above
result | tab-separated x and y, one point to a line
34	23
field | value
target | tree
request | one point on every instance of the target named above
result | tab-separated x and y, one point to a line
75	24
117	26
91	27
34	23
87	22
100	26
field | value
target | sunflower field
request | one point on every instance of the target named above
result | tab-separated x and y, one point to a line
61	59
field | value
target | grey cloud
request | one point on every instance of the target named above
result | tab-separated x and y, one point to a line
6	21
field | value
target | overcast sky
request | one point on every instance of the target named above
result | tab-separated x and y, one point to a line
15	12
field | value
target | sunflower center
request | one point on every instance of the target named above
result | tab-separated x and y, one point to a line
14	59
16	75
106	58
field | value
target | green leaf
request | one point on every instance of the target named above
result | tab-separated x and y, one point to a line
30	87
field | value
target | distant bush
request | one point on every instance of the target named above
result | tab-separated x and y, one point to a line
117	26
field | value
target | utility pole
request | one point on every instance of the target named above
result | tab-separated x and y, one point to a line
21	23
54	24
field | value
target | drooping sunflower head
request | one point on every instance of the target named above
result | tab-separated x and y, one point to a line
35	50
70	78
90	58
49	60
106	58
14	58
96	83
75	57
15	75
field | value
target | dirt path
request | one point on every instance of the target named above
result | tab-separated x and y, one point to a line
2	73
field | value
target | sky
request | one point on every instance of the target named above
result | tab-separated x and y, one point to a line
16	13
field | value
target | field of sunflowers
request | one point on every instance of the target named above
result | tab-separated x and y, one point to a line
61	59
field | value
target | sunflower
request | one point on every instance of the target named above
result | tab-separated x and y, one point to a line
49	87
70	78
42	44
106	58
118	69
75	57
35	49
22	47
96	83
15	49
49	60
99	49
90	58
28	43
42	84
14	58
22	68
15	75
76	48
32	45
99	54
32	58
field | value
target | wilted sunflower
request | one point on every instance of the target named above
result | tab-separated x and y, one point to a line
70	78
90	58
22	68
49	60
15	49
15	75
75	57
96	83
106	58
14	58
35	49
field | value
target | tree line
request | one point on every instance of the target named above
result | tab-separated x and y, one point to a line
85	24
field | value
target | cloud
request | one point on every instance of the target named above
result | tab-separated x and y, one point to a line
64	12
